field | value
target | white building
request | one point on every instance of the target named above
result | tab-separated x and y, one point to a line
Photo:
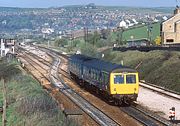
6	46
134	20
123	24
129	23
47	30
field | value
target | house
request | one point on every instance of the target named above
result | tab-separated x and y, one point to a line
123	24
6	46
170	29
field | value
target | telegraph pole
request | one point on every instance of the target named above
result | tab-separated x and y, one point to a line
149	29
4	104
85	34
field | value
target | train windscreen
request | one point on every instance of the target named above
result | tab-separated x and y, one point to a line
118	79
130	79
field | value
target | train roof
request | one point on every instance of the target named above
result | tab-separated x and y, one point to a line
100	64
80	58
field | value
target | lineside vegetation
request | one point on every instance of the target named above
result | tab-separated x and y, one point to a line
28	103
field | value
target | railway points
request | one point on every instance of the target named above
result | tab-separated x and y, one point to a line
56	65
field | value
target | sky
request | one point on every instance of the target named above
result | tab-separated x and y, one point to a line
59	3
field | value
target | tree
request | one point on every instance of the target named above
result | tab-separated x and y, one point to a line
158	40
105	33
120	36
61	42
89	50
75	42
96	38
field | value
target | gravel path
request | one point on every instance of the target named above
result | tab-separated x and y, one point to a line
158	103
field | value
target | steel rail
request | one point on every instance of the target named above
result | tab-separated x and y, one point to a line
146	118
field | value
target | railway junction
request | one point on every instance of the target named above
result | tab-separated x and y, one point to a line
50	69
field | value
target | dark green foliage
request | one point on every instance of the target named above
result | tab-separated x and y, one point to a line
101	43
89	50
7	71
119	38
61	42
93	38
105	33
75	43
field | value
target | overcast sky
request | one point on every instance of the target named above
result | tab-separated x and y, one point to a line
58	3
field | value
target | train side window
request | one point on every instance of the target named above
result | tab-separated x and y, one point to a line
84	70
92	73
105	78
96	73
118	79
100	77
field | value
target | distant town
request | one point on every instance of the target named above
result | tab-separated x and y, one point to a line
62	21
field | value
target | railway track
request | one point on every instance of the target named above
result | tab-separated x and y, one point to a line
100	117
142	115
96	114
161	90
145	117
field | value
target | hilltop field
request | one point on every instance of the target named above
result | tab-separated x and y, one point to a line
140	32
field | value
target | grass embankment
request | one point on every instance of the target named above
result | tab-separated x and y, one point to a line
158	67
28	103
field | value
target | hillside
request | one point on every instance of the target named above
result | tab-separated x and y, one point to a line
140	32
158	67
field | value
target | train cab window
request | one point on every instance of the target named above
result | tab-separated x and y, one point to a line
119	79
130	79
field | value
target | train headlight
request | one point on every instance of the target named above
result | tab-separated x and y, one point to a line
114	89
134	89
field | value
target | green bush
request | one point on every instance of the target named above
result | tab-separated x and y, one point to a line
89	50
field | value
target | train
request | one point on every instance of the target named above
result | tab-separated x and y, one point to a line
118	83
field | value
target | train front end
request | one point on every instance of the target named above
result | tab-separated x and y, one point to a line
124	85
